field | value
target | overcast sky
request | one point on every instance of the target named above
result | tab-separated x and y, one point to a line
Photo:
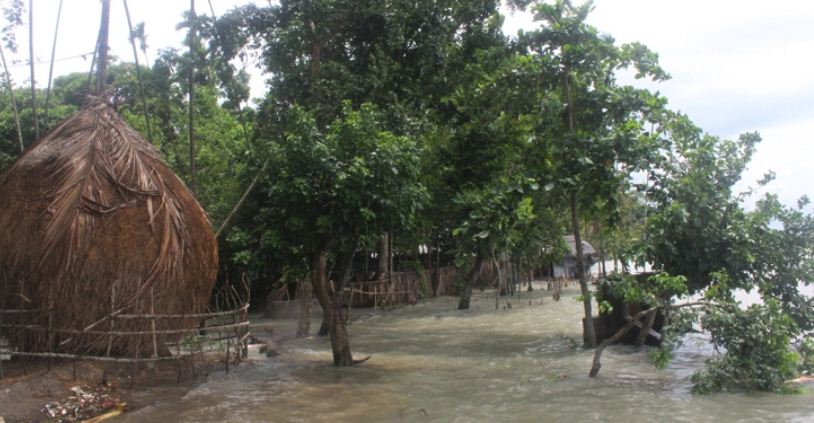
737	65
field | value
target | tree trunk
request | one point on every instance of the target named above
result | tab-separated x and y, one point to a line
499	281
340	342
344	269
473	277
436	276
649	319
304	323
589	334
382	257
596	364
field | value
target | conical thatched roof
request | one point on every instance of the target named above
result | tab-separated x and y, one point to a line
93	221
587	249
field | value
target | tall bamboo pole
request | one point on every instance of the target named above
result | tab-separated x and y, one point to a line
51	66
190	75
101	74
31	66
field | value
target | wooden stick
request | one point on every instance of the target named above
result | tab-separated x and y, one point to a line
182	316
1	325
152	322
112	321
138	346
213	328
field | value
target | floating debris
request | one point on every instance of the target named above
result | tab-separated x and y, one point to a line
85	403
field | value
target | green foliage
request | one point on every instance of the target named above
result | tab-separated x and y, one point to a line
499	216
333	188
697	225
757	353
806	352
656	290
594	126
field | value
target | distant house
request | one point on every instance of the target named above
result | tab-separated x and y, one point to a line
568	269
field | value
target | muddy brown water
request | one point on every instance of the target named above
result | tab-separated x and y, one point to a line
433	363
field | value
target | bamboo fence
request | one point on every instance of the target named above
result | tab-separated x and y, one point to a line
223	328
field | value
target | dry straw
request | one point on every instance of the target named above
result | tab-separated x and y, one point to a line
94	224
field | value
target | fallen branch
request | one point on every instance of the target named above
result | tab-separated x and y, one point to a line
355	362
618	335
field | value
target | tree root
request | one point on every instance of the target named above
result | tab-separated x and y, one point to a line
355	362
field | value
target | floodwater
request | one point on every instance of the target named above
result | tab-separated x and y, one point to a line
433	363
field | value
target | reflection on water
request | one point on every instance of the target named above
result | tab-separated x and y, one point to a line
433	363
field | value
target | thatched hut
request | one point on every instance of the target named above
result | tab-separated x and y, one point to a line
94	225
568	268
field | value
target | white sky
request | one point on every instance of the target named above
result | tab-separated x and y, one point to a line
737	65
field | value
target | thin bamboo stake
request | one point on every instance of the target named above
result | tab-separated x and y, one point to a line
233	212
138	344
22	297
93	58
1	325
50	332
152	324
51	67
180	363
31	66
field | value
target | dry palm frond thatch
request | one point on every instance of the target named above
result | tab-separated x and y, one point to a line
93	221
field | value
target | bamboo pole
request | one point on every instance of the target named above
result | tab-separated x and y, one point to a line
213	328
104	28
50	332
233	212
136	351
1	325
152	326
51	66
191	95
31	67
112	321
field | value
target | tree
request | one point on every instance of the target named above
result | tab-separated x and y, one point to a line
500	217
699	232
597	139
330	189
695	222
